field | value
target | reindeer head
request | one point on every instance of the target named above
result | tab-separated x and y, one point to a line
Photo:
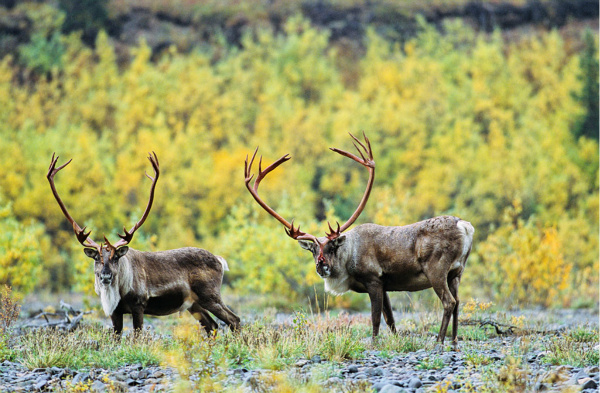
325	253
106	263
324	249
106	256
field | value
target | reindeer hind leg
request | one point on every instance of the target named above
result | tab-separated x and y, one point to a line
453	285
437	274
204	318
221	311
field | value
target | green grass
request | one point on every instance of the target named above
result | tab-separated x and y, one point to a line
431	363
567	351
89	346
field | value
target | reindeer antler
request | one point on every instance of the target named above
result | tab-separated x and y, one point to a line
294	233
370	164
126	238
366	159
82	235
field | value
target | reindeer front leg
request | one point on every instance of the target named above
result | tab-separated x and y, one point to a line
376	294
117	321
137	314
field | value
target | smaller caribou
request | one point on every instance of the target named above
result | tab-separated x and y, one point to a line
153	283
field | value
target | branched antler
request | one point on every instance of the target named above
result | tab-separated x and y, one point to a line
370	164
366	159
82	235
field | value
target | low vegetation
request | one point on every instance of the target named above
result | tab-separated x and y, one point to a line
202	362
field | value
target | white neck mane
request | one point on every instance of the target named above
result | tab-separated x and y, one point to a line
122	284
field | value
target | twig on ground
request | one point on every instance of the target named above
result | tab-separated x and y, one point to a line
58	320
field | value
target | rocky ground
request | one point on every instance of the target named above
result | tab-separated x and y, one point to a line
400	373
384	372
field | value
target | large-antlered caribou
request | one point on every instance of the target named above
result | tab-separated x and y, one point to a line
376	259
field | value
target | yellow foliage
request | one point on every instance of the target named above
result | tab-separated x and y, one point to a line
461	124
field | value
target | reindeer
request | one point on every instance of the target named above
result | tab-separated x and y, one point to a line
152	283
376	259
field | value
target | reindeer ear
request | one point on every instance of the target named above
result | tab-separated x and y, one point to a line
337	242
91	252
121	251
308	245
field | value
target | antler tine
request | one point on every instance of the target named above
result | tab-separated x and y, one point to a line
126	238
364	161
370	164
291	231
333	233
366	149
82	236
262	174
248	167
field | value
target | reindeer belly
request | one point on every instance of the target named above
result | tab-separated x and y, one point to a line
406	282
168	303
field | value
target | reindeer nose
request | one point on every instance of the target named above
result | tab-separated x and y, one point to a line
106	278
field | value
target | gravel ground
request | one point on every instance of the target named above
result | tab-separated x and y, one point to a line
383	372
386	375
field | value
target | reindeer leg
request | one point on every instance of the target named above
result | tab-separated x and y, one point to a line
221	311
375	291
438	280
453	285
388	313
117	321
204	318
137	314
448	303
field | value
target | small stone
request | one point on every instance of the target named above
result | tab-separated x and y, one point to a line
375	372
80	378
302	363
151	381
131	382
414	383
98	387
134	375
353	368
39	385
590	384
316	359
56	370
593	370
121	376
392	389
160	374
143	374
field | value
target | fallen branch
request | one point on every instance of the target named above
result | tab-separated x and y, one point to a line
68	319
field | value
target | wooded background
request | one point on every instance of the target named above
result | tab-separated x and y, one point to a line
497	126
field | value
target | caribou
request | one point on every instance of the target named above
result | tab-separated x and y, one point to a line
142	283
376	259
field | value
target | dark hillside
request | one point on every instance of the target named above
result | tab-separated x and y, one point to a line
192	24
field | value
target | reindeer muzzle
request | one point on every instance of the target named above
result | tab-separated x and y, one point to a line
323	268
106	279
